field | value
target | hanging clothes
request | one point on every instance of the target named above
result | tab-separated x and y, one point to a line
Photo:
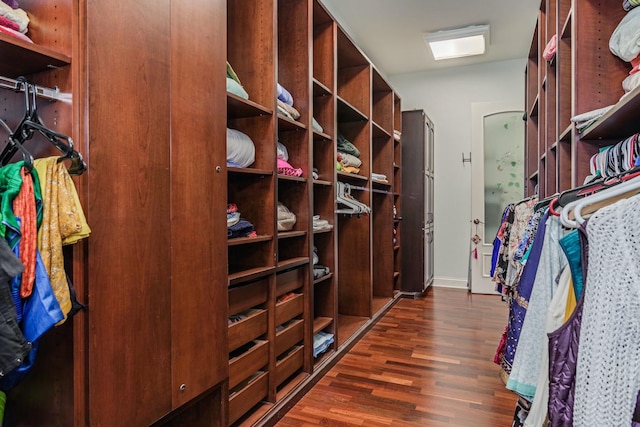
63	223
526	364
563	354
555	318
608	369
24	207
520	300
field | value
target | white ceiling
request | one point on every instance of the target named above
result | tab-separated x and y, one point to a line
390	31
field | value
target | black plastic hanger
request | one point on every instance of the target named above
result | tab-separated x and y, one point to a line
31	123
15	145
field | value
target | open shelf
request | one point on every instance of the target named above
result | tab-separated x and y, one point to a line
285	123
321	136
352	176
249	171
320	89
290	234
348	325
291	263
566	134
322	182
23	58
319	323
378	131
238	108
621	121
291	178
323	278
349	113
248	240
250	274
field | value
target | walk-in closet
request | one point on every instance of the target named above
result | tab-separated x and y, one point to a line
348	155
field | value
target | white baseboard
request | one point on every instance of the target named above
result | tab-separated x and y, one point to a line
447	282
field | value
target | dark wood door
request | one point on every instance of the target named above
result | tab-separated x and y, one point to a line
413	200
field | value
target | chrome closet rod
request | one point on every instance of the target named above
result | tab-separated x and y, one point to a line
52	94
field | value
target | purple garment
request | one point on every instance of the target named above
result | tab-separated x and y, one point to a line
13	3
563	355
521	295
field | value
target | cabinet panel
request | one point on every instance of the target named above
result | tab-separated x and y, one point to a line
414	191
129	269
198	179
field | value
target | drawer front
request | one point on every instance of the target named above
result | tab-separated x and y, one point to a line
243	298
247	329
289	337
243	366
289	309
289	281
245	399
289	365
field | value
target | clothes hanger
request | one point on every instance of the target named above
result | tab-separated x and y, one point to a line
591	204
26	156
31	123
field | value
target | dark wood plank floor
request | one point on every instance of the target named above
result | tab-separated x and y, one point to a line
427	362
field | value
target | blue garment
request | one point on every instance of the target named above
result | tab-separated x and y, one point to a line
570	244
284	95
522	293
40	312
494	255
497	243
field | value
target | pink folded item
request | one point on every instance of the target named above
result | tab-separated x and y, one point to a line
550	49
635	63
15	34
284	168
6	22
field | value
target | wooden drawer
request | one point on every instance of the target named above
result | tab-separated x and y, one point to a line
242	366
289	309
245	297
243	399
289	364
289	337
289	281
247	329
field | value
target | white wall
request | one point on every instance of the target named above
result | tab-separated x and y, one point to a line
446	96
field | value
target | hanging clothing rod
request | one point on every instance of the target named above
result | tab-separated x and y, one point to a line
42	92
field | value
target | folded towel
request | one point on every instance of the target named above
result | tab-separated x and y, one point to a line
550	50
284	168
8	23
625	39
316	126
241	150
284	95
346	146
630	4
235	88
288	110
15	34
350	160
18	16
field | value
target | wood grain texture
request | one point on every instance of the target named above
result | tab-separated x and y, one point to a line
198	186
129	269
427	362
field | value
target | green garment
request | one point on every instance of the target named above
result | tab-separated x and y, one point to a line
10	184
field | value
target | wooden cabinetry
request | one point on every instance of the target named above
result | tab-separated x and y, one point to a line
582	76
166	289
152	273
417	201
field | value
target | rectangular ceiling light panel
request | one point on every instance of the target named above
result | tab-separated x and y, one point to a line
458	43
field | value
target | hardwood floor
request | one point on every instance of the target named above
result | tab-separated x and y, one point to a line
427	362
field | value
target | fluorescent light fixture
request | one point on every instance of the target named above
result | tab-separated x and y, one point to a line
459	42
